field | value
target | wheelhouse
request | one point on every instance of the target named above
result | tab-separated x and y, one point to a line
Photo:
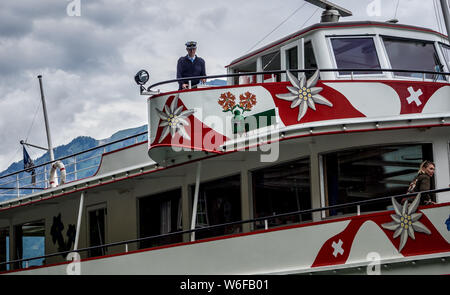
374	47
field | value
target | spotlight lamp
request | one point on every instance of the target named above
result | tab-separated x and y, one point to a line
141	77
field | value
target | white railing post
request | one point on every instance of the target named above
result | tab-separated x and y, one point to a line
75	174
194	209
80	213
45	176
18	185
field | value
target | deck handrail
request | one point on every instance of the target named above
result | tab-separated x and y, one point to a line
76	154
75	169
351	70
253	220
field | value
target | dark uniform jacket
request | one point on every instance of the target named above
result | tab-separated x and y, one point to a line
187	68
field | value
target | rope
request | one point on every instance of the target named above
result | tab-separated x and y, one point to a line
292	14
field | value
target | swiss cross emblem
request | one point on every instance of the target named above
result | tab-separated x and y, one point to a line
414	96
337	248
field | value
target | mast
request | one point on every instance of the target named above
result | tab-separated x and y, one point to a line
444	7
47	127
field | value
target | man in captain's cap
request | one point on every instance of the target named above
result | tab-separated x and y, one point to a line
190	66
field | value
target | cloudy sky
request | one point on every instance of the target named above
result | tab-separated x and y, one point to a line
88	61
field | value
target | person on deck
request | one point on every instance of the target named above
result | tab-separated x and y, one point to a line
424	182
190	65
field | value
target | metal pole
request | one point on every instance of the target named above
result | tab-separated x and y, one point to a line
80	213
444	7
47	128
194	209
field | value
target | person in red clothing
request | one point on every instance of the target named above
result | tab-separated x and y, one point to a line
190	66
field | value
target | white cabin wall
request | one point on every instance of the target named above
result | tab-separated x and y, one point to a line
322	54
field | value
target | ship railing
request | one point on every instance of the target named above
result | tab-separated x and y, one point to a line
25	262
348	72
78	166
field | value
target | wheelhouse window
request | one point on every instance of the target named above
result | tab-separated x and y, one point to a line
417	55
292	58
4	248
367	173
30	242
245	68
281	189
355	53
271	62
160	214
446	53
219	201
310	58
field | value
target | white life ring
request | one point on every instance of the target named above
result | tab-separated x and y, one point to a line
53	178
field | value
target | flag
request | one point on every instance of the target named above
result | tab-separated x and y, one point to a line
29	165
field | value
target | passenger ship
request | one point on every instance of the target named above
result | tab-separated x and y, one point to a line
297	166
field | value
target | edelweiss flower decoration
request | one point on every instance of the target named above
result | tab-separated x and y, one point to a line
302	95
406	221
174	120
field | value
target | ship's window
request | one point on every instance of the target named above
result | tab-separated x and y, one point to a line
271	62
355	53
97	229
310	58
281	189
4	248
219	201
367	173
30	242
292	58
413	55
246	68
160	214
446	53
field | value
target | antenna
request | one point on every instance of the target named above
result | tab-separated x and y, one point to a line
445	12
47	127
332	11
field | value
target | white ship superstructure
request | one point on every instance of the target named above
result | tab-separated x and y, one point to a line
297	166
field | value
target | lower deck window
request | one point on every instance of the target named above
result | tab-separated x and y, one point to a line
160	214
97	227
4	248
367	173
219	202
30	242
281	189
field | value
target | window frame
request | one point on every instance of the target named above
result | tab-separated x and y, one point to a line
90	209
179	224
441	55
324	200
281	163
407	78
283	55
203	182
15	252
380	56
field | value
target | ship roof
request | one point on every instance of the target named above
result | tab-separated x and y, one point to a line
319	26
